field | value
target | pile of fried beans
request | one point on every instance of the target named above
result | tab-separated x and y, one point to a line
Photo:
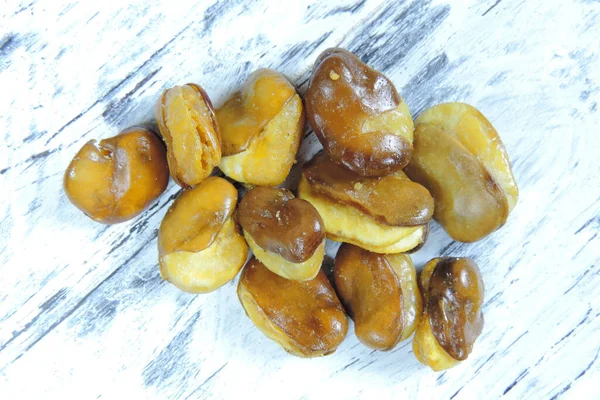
375	187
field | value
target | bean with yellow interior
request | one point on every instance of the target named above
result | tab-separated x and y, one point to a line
187	122
199	243
381	214
285	233
304	317
459	157
262	128
358	115
452	319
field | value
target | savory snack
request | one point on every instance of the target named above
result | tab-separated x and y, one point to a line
452	320
261	127
460	158
358	115
304	317
387	214
380	294
116	179
187	122
200	247
285	233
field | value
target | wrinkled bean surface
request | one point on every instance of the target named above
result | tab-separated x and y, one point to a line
117	178
307	312
392	200
371	293
455	298
187	122
358	115
196	216
469	204
248	111
281	224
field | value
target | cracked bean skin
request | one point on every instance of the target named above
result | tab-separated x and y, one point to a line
261	126
200	246
187	123
453	294
285	233
116	179
392	200
358	115
459	157
385	215
304	317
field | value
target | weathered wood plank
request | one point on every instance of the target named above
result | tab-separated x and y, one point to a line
121	101
82	307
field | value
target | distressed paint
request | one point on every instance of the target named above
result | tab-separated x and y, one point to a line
83	311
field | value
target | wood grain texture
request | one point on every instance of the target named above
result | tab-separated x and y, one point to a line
83	311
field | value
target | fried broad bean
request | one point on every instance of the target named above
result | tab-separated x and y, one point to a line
392	200
187	122
452	319
285	233
261	126
199	244
460	158
304	317
115	179
381	214
380	293
358	115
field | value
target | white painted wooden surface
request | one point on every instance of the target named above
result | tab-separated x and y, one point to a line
83	311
